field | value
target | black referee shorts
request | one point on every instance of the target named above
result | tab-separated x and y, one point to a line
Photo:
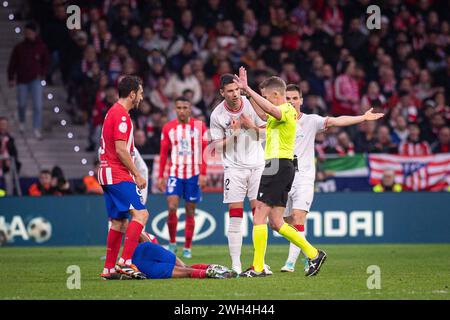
276	182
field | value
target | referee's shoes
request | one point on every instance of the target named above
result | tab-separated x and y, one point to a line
315	264
251	273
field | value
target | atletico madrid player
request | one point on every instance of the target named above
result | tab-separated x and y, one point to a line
121	182
186	139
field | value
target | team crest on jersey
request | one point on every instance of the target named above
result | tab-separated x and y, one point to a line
123	127
124	118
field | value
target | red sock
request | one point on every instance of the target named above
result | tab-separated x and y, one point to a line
198	274
236	213
113	243
131	239
189	230
172	221
200	266
300	227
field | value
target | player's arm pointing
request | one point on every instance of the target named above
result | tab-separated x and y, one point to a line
263	103
125	158
344	121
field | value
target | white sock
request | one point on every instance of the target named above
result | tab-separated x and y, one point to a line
128	262
235	241
112	270
294	251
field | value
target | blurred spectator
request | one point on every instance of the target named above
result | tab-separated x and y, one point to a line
344	146
388	183
28	65
346	92
365	137
143	145
182	80
59	183
44	186
400	130
443	143
56	36
167	40
273	55
91	184
105	97
414	146
122	22
437	122
8	153
383	143
373	95
186	55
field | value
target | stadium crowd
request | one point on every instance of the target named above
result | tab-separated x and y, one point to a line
181	47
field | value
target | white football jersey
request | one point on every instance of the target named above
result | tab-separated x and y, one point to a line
308	125
247	152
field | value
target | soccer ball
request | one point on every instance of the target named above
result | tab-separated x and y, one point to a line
40	229
149	237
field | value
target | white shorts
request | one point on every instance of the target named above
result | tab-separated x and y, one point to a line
300	197
239	183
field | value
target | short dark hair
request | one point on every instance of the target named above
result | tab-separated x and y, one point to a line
3	118
45	171
182	99
225	79
31	26
275	83
127	85
294	87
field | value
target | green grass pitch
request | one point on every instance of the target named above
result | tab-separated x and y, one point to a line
407	272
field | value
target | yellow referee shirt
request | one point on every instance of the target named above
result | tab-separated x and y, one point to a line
280	134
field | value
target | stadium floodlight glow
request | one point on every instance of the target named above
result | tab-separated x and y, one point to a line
83	161
11	16
5	4
70	135
43	83
76	148
17	29
56	109
63	122
50	96
91	173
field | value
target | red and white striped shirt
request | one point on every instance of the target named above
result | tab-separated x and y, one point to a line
117	126
409	148
186	141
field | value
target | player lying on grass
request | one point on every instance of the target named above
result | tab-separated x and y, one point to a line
156	262
301	195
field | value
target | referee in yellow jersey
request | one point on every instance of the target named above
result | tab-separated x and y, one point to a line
278	175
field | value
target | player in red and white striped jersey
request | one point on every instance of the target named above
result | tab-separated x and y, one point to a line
414	146
186	139
122	182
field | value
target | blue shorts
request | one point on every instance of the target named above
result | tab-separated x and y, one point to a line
188	189
120	198
154	261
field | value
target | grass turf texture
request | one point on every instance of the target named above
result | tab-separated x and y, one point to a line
407	272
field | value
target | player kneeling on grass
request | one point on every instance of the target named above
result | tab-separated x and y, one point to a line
157	262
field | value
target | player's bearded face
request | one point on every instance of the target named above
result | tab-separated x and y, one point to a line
138	97
232	94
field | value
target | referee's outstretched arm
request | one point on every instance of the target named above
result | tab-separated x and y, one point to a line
263	103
